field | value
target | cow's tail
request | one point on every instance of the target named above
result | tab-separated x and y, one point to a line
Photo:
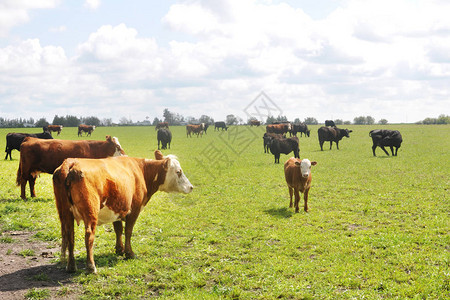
63	178
19	174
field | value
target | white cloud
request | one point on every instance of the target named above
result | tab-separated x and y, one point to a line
92	4
13	13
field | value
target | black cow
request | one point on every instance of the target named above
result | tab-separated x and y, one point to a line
206	127
221	124
285	146
332	134
302	128
330	123
165	137
267	138
388	138
14	140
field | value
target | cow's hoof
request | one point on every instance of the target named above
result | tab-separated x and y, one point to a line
130	256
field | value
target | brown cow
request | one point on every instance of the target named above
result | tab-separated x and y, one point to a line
110	190
197	129
298	178
37	155
55	128
85	128
254	123
279	128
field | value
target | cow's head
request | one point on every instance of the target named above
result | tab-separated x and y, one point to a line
305	166
308	132
175	180
344	132
118	148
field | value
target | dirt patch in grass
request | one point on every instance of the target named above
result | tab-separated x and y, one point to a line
28	266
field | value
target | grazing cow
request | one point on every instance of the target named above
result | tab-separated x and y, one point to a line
162	125
85	128
330	123
302	128
297	173
197	129
110	190
221	124
206	126
285	146
279	128
267	138
14	140
332	134
388	138
165	137
38	156
55	128
255	123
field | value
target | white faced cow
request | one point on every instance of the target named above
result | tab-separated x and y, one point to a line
110	190
298	177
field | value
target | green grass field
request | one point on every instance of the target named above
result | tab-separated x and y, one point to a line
377	227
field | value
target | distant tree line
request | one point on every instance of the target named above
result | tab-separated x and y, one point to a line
442	119
177	119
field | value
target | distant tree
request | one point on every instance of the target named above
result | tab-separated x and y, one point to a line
383	122
370	120
58	120
311	121
347	123
297	120
156	121
270	120
191	120
41	122
359	120
71	121
125	122
206	119
338	122
91	121
443	119
232	120
281	118
106	122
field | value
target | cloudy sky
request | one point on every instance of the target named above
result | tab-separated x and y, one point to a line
328	59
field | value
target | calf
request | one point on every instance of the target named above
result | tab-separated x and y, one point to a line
14	140
38	156
302	128
279	128
165	137
55	128
197	129
285	146
85	128
388	138
331	134
298	177
110	190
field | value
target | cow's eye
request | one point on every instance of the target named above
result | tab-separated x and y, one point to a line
179	172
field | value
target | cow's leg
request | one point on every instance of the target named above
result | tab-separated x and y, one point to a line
158	145
129	224
392	150
291	192
321	145
396	150
32	182
382	147
118	228
297	199
89	241
331	144
69	241
337	145
305	198
373	149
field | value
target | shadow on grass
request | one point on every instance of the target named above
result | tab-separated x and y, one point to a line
281	213
29	199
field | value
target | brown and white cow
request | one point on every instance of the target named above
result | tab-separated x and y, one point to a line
282	128
197	129
37	155
55	128
85	128
110	190
254	122
297	173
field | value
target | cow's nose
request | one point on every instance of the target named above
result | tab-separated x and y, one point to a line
305	175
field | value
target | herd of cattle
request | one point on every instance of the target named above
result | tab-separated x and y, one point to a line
95	182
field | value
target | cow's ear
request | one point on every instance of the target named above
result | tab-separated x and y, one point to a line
108	138
313	163
166	164
350	131
297	163
158	155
